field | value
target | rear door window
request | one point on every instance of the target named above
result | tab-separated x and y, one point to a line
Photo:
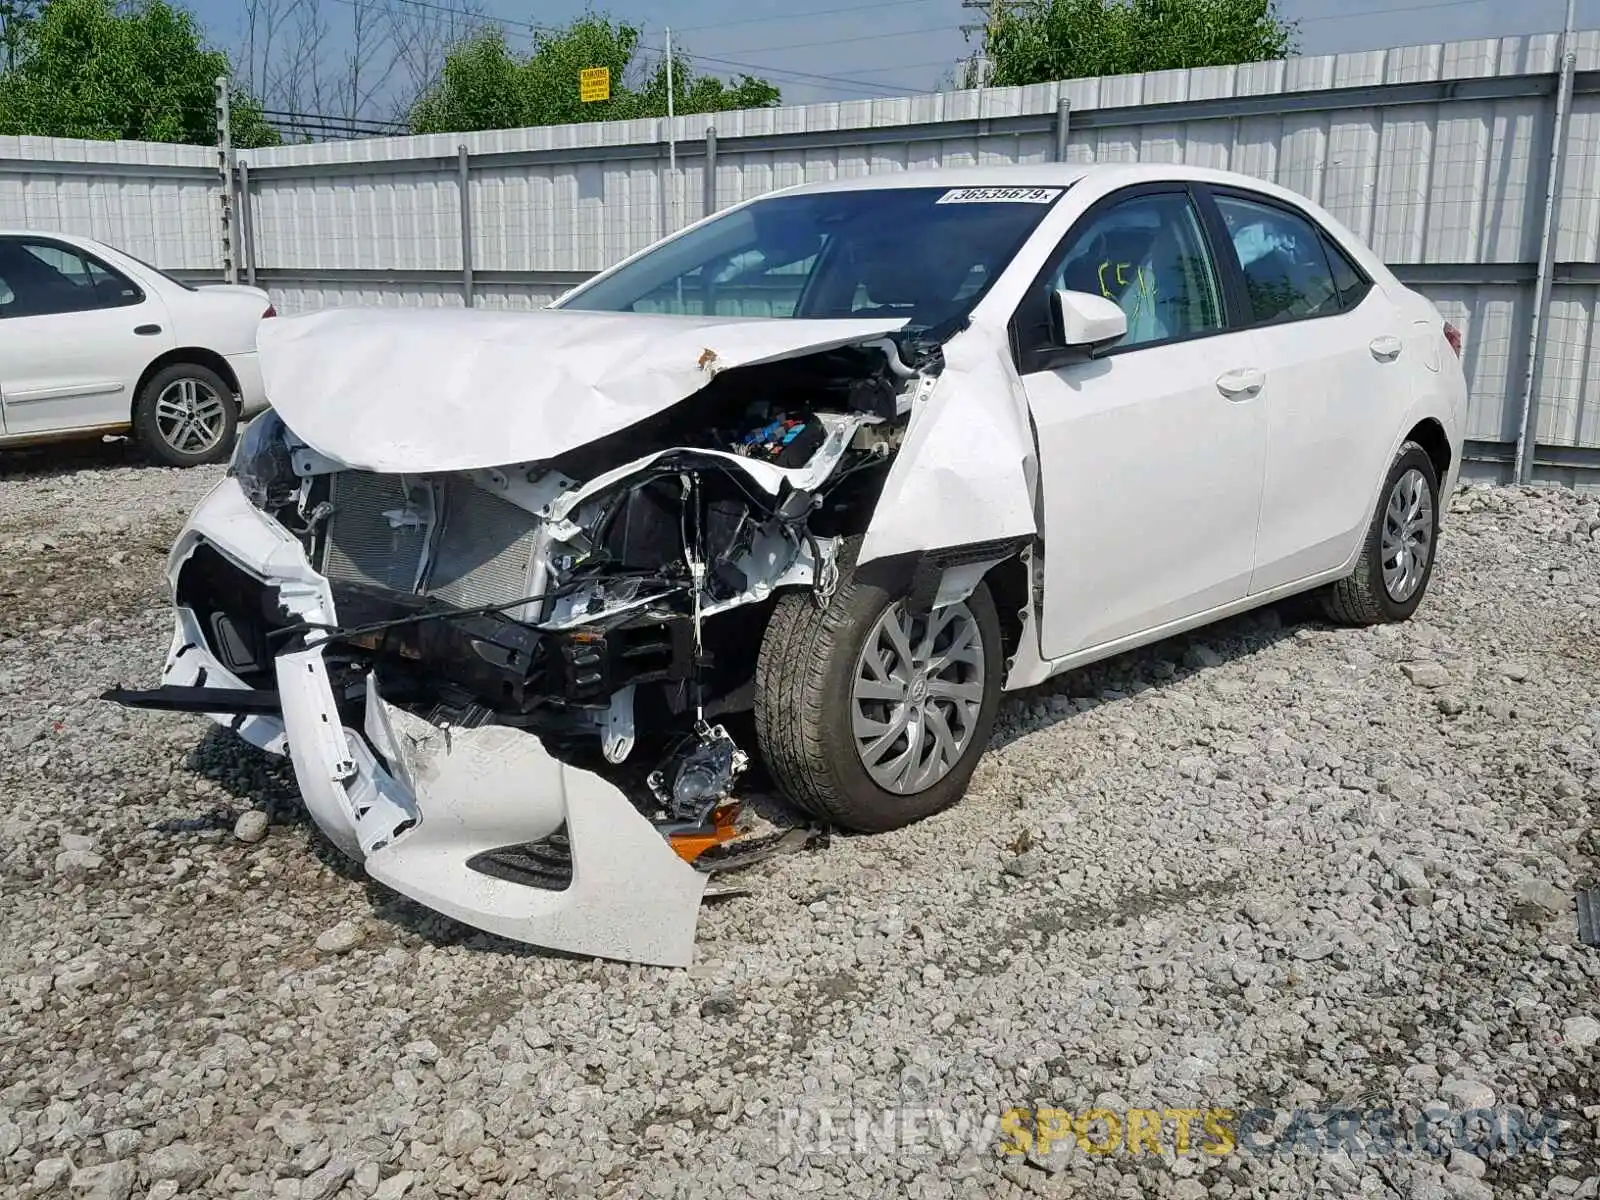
44	277
1282	259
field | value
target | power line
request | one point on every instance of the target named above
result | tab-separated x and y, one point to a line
291	114
796	76
1383	12
485	18
803	77
865	37
938	62
802	16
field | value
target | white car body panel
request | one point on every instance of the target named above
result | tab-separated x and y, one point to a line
79	372
246	367
431	390
1334	384
948	487
65	371
1152	484
1151	490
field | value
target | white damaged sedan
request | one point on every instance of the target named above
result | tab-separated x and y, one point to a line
831	470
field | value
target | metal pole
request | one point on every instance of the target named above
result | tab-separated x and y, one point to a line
463	189
1063	127
710	181
1528	426
247	225
230	268
672	133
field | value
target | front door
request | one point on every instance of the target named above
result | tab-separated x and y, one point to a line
75	335
1153	453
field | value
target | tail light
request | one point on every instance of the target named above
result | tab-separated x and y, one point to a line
272	312
1453	336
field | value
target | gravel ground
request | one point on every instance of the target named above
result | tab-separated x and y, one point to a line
1274	864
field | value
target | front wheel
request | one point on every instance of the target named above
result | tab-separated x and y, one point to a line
186	416
1397	555
872	716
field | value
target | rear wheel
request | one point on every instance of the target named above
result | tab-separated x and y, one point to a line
1396	560
186	416
870	715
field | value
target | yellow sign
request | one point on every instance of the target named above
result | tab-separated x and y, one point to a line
594	83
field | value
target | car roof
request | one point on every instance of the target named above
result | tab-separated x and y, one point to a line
59	234
82	241
1037	175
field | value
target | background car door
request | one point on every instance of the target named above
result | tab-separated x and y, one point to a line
75	335
1151	453
1334	348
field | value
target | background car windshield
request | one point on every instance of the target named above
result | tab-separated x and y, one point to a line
924	254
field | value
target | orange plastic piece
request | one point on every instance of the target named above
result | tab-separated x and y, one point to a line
691	846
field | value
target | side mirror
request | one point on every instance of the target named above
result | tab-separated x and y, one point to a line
1081	320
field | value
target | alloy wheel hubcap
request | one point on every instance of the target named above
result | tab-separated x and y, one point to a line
190	416
916	697
1407	536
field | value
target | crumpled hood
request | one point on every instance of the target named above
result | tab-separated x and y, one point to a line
418	390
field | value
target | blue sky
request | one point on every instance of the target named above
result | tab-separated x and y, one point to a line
889	47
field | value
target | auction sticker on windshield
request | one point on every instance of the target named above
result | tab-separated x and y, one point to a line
999	195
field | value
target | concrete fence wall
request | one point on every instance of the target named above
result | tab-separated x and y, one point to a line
1437	155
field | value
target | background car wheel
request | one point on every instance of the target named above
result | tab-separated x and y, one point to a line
871	716
187	416
1397	556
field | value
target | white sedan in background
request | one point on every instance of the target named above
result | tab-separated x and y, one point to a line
93	341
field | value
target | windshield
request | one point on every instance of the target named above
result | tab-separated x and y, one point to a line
925	254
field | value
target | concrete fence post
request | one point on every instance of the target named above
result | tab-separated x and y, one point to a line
230	262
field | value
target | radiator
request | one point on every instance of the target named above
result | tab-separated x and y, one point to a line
485	553
366	546
482	552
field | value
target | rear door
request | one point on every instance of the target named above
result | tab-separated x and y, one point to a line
1334	351
75	335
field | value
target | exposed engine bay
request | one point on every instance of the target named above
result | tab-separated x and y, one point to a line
591	605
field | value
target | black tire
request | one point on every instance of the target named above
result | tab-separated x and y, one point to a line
804	677
1362	597
148	431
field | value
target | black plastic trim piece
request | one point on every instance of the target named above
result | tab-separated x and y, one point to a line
173	698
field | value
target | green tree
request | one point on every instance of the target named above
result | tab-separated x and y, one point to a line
1071	39
87	69
485	86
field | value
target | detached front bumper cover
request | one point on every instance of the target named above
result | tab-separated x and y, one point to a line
442	797
417	803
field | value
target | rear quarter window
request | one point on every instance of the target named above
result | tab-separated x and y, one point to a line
1349	280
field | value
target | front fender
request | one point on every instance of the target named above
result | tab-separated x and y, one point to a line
968	470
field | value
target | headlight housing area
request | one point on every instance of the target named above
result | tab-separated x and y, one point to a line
262	463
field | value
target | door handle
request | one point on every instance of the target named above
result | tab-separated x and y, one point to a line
1386	348
1241	383
146	330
